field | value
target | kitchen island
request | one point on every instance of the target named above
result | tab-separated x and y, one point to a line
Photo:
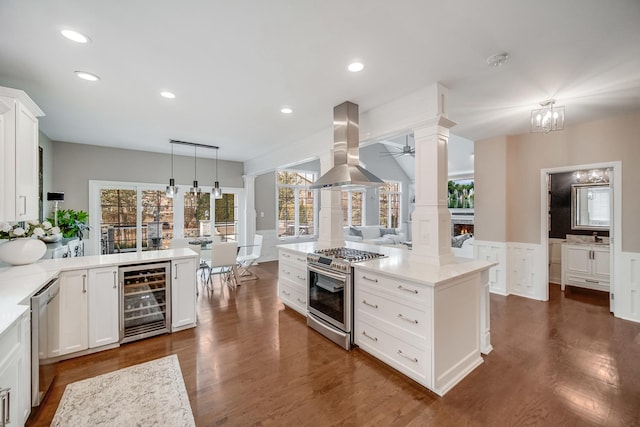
429	322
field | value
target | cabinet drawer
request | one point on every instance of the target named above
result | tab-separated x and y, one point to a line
408	359
409	292
589	283
293	273
293	258
409	319
291	296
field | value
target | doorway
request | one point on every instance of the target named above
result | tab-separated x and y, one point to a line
616	218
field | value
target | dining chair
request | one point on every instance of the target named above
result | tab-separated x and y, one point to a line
246	261
223	263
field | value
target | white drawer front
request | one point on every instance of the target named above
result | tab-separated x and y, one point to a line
412	361
599	285
293	273
292	296
406	318
402	290
293	257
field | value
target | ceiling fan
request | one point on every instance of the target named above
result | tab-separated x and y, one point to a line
405	150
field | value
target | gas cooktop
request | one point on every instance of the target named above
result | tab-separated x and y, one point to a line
340	258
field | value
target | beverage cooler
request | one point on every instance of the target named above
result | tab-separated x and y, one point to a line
145	300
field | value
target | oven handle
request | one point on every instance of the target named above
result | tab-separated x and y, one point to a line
342	277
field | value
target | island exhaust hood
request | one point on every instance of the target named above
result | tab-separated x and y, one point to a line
346	171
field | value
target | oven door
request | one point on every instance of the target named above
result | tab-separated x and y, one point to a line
329	296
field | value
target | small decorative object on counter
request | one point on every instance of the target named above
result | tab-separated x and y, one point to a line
24	245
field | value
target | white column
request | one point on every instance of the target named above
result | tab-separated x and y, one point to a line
330	216
431	227
249	209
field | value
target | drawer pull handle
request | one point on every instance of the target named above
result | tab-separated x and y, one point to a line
364	301
402	288
288	273
286	256
300	301
369	336
407	319
115	280
370	279
5	394
84	283
286	293
413	359
591	281
301	260
301	278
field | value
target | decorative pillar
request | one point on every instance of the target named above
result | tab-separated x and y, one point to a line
431	226
249	208
330	217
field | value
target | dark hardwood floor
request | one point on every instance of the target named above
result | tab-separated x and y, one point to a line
250	361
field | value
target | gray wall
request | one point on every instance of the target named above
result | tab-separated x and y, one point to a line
265	187
76	164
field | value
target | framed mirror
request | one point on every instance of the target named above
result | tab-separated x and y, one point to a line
590	207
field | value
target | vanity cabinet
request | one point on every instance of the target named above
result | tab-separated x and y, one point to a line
586	266
19	160
292	280
15	372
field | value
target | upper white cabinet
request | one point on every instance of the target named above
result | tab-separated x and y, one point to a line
19	162
586	266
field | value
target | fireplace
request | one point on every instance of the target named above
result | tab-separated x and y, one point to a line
461	223
459	229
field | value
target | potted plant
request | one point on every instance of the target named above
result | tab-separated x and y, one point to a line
72	223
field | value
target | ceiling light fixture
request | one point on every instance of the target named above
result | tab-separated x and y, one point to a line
172	190
167	94
355	66
548	118
497	60
195	188
75	36
286	110
217	191
84	75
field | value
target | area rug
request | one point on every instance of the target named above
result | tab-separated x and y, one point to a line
148	394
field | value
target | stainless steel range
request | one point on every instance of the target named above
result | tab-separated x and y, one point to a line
330	293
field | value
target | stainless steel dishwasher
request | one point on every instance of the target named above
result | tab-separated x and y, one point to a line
46	300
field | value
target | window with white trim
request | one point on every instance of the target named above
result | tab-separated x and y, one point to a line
296	202
390	196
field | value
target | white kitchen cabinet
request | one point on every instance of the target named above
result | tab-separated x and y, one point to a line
103	296
19	148
292	280
183	293
73	313
586	266
432	334
15	374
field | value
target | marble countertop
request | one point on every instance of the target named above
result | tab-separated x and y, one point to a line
18	284
403	264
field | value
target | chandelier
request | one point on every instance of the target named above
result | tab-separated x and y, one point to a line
547	118
172	189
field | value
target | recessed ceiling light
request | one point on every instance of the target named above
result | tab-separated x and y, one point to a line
286	110
167	94
87	76
355	66
75	36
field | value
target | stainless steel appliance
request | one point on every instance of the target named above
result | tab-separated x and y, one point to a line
44	307
145	300
330	293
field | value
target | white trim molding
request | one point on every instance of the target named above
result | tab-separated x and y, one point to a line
494	252
627	291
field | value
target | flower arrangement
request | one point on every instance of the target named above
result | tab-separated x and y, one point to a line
27	229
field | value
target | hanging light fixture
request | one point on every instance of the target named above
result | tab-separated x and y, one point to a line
216	191
172	190
548	118
195	188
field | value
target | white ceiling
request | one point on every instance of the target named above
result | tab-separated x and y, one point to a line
234	64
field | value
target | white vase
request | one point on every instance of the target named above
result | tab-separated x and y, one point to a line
22	251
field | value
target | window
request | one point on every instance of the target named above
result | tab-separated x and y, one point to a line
296	203
352	207
226	217
390	204
196	213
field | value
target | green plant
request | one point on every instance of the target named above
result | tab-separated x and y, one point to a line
72	223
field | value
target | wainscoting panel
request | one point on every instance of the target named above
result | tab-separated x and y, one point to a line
527	274
627	288
494	252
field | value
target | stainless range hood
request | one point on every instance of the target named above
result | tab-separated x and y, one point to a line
346	171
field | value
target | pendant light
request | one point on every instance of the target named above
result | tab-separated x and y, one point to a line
216	191
195	188
172	190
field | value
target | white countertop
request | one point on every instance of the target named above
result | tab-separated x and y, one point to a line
18	284
400	263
